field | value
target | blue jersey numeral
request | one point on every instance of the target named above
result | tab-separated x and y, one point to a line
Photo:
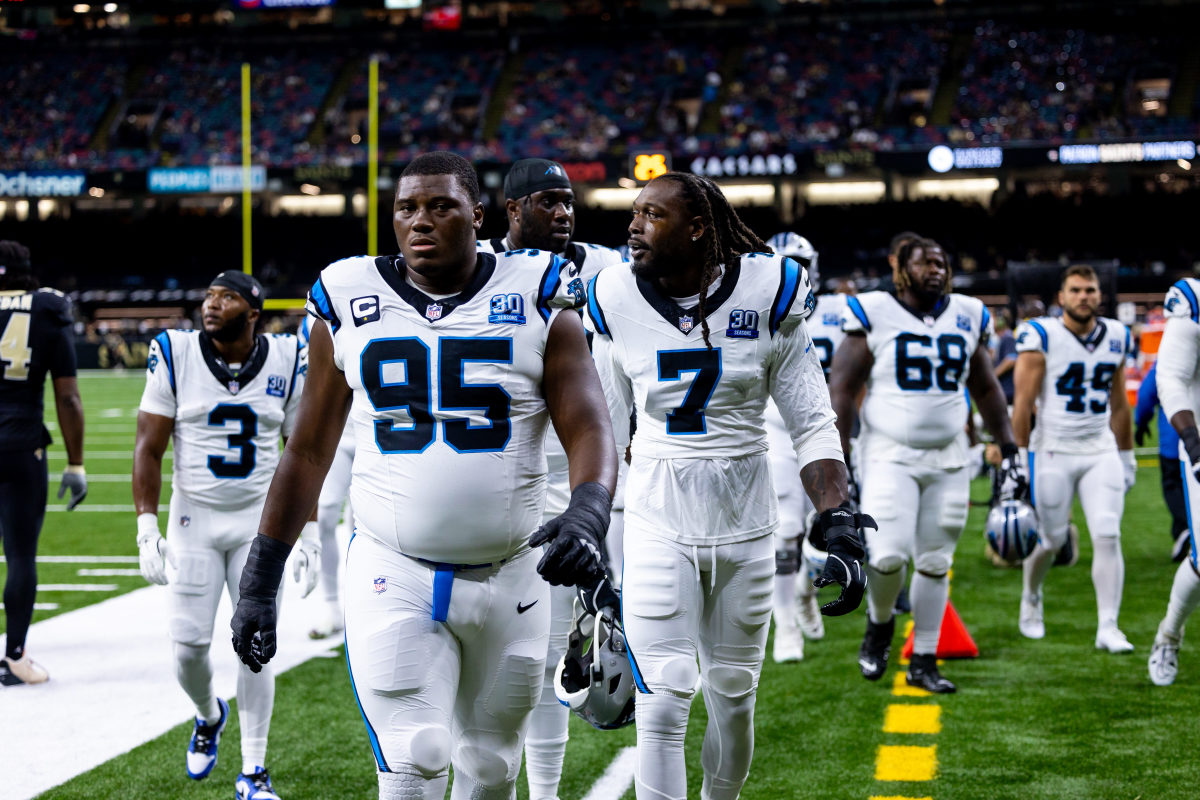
706	364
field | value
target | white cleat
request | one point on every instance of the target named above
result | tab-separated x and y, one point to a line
326	622
14	672
1164	660
808	616
789	644
1030	622
1110	638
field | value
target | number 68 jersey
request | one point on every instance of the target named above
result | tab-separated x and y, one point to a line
915	409
1073	410
227	424
448	415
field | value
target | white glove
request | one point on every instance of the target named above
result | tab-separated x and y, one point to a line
1129	462
152	550
306	563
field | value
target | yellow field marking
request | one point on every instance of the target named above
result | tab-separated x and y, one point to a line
906	763
910	718
900	687
896	797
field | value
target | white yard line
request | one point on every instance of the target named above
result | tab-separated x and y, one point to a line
88	455
84	559
118	477
92	508
617	779
112	685
39	606
108	573
77	587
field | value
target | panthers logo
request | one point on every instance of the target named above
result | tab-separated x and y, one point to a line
152	362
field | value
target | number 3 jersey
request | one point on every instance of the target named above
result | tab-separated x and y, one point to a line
1073	408
449	417
227	422
915	409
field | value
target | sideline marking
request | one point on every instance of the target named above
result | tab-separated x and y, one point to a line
906	763
900	718
617	779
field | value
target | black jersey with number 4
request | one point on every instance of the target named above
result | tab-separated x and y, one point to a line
35	338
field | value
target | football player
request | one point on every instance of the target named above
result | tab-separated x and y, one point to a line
455	361
35	339
796	612
1178	367
223	395
915	350
328	618
1073	369
700	507
541	216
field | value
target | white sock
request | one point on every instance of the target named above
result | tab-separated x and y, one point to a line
546	744
1185	596
928	596
1108	577
330	561
194	671
661	728
785	600
882	591
256	698
1035	567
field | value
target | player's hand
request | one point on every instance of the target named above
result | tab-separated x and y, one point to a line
306	566
574	539
74	479
255	617
1141	432
1129	463
837	534
602	595
152	550
1191	445
1012	483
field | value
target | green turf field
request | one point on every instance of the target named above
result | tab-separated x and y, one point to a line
1051	719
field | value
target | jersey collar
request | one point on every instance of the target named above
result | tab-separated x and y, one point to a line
926	317
1093	339
686	320
221	371
390	269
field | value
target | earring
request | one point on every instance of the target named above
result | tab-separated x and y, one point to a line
695	238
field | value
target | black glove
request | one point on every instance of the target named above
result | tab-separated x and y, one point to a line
255	617
836	532
574	556
602	595
1011	483
1191	445
1141	432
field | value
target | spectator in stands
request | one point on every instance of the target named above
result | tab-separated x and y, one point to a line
1005	355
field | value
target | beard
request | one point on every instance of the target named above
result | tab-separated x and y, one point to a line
1082	315
232	330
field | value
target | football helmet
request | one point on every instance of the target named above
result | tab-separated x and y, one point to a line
594	677
812	560
793	245
1011	530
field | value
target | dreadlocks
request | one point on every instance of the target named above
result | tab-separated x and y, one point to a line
900	275
725	238
15	269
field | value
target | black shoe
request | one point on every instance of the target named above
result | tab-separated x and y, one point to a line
1182	546
923	673
902	604
1068	554
876	644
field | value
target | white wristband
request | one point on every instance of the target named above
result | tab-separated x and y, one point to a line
74	469
311	532
147	525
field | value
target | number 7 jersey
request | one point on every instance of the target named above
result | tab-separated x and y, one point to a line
1073	410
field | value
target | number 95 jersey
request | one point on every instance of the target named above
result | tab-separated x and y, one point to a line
448	414
915	409
227	425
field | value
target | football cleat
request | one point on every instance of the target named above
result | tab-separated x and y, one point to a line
16	671
1110	638
876	645
1164	659
1030	620
923	673
202	749
808	616
255	786
789	644
328	621
1183	545
1068	554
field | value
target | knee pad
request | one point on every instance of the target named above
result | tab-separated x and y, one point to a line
787	559
430	749
678	676
484	769
887	563
935	563
734	683
1106	525
517	685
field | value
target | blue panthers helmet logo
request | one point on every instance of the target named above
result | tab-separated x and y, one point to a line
152	362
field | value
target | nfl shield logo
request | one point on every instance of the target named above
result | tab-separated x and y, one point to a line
234	386
433	311
184	521
685	324
380	585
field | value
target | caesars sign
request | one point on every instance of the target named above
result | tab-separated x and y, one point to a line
744	166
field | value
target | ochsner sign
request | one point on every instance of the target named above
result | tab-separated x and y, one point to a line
41	184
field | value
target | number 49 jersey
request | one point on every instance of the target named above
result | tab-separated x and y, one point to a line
227	424
448	415
915	409
1073	410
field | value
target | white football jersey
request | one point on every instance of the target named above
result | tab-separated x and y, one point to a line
915	408
227	423
448	415
825	327
302	333
1179	354
1072	409
696	402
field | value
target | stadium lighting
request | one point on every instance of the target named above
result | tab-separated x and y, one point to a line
110	7
958	188
96	191
310	189
845	192
355	139
1184	164
81	8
